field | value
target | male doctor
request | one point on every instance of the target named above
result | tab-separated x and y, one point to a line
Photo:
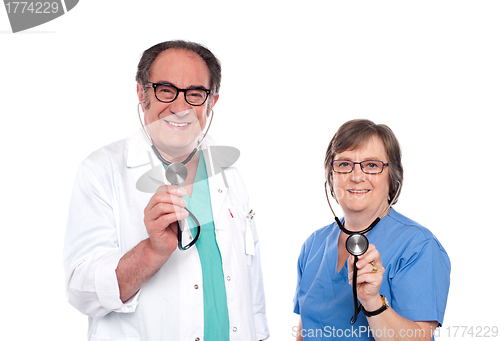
124	268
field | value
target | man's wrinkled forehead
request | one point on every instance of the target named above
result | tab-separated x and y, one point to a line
177	62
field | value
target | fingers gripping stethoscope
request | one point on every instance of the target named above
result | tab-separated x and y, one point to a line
176	173
357	244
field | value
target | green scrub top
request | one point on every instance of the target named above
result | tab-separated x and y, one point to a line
216	316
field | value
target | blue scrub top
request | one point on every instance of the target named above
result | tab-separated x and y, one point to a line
416	279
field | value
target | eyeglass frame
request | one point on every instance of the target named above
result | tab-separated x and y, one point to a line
154	85
360	166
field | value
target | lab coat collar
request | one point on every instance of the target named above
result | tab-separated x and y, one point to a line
138	146
140	154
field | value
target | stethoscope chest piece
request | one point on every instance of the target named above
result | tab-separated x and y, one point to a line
176	173
356	244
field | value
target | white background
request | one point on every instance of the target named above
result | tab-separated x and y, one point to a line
293	72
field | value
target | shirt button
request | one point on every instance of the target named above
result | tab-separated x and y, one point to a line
197	339
228	278
220	190
196	286
235	329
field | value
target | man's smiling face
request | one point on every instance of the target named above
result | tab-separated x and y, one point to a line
174	127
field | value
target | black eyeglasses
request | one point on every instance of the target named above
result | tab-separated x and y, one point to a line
167	93
368	166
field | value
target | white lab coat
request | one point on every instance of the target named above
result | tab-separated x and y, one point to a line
106	221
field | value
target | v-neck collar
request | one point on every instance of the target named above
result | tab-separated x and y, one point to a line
200	174
336	276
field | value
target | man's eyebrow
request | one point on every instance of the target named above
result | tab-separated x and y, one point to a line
197	87
192	87
163	83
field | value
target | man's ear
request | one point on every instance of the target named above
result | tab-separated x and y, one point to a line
140	92
214	100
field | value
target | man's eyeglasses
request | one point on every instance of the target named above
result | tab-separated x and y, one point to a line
368	166
167	93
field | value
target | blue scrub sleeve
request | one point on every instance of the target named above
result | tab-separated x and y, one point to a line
296	307
420	282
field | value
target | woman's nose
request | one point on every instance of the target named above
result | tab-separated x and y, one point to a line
357	174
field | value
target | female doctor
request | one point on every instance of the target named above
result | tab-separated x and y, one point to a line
123	266
403	277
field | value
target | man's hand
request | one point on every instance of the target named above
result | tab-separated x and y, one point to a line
160	217
161	214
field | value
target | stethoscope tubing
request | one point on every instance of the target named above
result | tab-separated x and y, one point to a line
357	307
179	232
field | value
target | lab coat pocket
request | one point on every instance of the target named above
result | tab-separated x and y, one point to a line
243	222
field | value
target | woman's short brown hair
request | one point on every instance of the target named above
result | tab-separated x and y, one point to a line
354	134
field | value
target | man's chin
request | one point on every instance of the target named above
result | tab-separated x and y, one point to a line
176	151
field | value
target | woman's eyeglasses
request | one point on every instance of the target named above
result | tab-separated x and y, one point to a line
368	166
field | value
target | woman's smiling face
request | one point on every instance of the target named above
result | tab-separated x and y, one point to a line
359	193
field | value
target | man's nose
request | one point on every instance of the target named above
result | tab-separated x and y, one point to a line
180	107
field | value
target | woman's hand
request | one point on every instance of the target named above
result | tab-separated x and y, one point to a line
368	280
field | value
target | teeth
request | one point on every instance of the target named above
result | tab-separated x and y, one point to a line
178	124
360	191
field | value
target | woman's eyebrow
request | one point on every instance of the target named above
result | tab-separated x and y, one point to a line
371	158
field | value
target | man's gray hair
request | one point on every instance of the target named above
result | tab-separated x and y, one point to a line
150	55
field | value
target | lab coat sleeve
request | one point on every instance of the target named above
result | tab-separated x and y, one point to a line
91	249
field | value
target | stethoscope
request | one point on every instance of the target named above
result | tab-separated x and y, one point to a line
176	173
357	244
